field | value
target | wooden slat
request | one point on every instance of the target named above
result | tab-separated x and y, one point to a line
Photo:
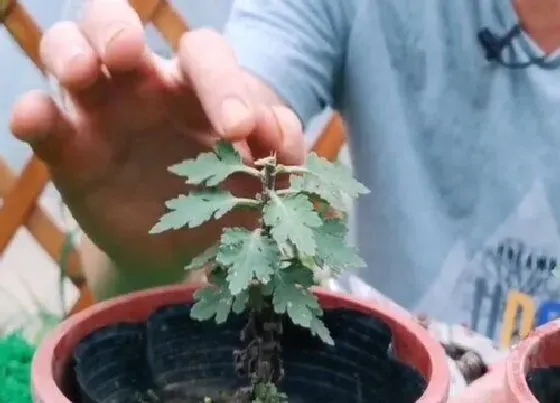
169	23
25	31
331	141
21	199
19	202
43	229
145	8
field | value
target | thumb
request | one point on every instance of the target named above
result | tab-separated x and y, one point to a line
210	67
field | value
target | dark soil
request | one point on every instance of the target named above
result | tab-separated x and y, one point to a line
545	384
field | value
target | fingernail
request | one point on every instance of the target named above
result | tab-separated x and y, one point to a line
234	112
112	34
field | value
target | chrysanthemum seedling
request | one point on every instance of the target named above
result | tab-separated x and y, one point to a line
268	270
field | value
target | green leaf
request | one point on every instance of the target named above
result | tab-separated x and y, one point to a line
196	208
240	302
291	220
318	328
330	181
269	393
333	249
212	302
203	259
214	167
248	255
292	297
296	301
298	273
216	301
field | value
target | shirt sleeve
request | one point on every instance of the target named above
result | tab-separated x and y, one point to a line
296	46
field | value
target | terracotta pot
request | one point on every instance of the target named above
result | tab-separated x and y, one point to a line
54	382
507	380
540	350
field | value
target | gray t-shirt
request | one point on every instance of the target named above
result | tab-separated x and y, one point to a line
461	155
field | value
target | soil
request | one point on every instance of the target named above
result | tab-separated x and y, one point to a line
545	384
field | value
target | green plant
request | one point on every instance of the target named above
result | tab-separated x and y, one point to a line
268	270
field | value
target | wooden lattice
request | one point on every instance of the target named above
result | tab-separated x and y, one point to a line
20	195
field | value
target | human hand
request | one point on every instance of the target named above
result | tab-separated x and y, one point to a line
132	115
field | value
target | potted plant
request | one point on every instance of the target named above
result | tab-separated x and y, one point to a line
289	340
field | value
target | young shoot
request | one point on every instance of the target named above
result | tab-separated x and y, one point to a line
274	264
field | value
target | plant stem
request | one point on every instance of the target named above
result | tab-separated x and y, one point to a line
261	360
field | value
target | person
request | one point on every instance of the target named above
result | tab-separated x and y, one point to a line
451	109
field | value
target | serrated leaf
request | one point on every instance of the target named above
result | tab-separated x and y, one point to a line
216	301
269	393
196	208
211	302
332	182
318	328
312	185
247	255
240	302
298	302
333	249
298	274
291	220
203	259
212	168
335	174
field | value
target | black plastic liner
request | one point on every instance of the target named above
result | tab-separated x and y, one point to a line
126	363
545	384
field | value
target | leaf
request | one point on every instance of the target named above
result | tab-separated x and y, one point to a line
333	249
196	208
330	181
212	302
312	185
240	302
291	220
216	301
318	328
212	168
298	273
247	255
335	174
203	259
269	393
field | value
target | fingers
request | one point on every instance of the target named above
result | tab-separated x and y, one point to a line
209	65
115	32
69	57
278	130
111	34
292	148
37	121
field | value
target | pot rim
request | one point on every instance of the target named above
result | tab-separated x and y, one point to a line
46	366
520	360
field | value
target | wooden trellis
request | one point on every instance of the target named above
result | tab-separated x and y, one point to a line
20	194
